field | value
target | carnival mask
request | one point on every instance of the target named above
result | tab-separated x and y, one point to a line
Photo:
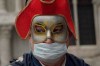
49	27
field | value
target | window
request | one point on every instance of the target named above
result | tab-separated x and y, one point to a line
85	23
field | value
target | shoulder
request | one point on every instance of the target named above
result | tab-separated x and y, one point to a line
21	61
16	62
76	61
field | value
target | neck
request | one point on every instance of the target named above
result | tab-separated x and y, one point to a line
58	63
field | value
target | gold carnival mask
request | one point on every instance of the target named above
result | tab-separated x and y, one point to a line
52	27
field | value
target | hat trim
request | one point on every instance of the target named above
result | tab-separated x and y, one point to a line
17	18
52	1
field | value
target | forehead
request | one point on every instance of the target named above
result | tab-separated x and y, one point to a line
49	20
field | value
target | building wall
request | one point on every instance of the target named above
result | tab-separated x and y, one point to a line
11	46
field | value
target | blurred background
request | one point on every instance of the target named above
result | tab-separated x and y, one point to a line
86	16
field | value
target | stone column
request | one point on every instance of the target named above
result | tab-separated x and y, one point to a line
98	40
5	50
96	4
2	6
18	6
76	22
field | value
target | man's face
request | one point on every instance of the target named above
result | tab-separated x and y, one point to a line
49	29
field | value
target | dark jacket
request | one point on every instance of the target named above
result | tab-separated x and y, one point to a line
30	60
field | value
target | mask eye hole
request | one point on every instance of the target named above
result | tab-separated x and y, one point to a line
58	29
39	28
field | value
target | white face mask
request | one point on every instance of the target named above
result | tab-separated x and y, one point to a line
49	53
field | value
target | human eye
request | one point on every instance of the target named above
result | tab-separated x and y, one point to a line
39	28
58	29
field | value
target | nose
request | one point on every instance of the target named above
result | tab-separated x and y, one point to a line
48	41
49	37
48	34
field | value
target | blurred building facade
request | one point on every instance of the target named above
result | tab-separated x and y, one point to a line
86	16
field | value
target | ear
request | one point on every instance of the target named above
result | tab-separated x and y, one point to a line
29	35
30	39
31	43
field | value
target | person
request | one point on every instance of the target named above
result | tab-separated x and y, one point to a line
48	26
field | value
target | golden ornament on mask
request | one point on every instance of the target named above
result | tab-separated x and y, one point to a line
57	28
39	28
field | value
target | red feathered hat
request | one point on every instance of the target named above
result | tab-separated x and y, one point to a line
43	7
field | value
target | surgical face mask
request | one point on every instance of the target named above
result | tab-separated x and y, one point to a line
49	53
53	27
